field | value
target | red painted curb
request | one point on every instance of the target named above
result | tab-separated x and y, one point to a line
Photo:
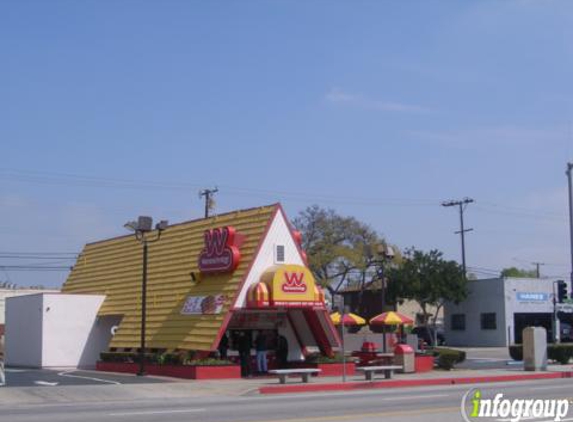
303	388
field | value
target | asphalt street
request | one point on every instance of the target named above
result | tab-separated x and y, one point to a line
21	377
412	404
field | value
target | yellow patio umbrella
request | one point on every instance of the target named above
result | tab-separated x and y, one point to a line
349	319
391	318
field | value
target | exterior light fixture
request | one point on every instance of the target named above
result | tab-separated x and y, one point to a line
143	229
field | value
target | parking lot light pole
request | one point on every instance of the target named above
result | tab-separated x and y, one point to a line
570	185
385	253
142	227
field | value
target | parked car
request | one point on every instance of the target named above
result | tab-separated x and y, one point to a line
426	334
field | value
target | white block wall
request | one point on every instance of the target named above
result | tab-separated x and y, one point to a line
54	330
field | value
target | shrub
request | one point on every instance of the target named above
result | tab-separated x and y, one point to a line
516	352
126	357
561	353
337	358
460	354
209	362
170	359
447	360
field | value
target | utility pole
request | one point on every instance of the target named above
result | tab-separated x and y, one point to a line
461	204
208	194
537	265
568	173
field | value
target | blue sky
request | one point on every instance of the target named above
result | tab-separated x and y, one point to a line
378	109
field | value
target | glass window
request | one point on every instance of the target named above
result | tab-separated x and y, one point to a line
459	322
488	321
280	253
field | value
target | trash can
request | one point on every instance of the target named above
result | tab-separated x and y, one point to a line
404	356
534	349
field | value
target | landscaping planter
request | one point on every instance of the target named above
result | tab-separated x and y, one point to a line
175	371
424	363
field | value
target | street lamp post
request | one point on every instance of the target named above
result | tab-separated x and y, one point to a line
384	253
142	227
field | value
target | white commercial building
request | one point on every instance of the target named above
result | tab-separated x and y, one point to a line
6	293
497	310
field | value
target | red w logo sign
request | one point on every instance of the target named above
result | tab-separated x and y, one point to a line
220	253
294	283
216	240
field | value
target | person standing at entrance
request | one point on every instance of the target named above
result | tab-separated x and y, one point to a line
244	347
223	346
261	346
282	351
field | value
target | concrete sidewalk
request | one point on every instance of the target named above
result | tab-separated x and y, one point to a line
436	377
14	396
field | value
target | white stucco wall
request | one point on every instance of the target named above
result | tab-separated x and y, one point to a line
279	234
54	330
69	325
485	296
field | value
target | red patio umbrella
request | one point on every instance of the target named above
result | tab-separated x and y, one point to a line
389	318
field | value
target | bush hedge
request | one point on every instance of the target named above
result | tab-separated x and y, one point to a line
516	351
561	353
448	358
165	358
126	357
209	362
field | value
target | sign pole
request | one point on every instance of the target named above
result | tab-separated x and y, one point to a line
343	351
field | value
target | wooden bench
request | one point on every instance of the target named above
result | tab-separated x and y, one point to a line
369	371
304	373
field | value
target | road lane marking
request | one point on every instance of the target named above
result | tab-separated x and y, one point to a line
355	416
389	396
68	374
46	383
427	396
551	387
156	412
536	419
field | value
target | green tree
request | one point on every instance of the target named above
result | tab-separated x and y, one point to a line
337	247
429	280
518	272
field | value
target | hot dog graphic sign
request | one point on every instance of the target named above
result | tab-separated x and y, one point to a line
220	254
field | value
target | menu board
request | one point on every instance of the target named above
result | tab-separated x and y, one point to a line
203	305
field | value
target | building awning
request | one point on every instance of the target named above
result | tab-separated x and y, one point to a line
286	286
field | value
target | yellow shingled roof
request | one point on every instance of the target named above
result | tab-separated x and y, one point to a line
114	268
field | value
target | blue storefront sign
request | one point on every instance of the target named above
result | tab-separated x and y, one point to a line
532	297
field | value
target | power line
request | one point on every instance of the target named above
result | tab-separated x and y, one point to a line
78	180
34	268
39	253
